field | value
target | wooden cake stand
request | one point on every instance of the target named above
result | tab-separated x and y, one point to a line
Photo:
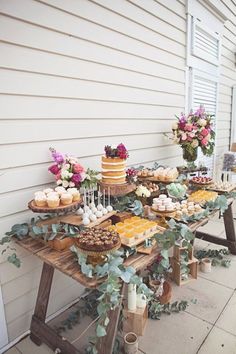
98	257
117	190
61	208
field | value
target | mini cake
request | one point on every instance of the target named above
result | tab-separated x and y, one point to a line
53	201
47	190
75	194
40	200
66	198
113	165
98	240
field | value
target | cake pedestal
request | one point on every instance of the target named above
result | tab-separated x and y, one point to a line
117	190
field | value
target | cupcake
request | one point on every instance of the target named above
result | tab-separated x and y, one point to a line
40	200
48	190
76	195
60	190
39	193
53	201
66	198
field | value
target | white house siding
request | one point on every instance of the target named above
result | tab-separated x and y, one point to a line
227	78
77	75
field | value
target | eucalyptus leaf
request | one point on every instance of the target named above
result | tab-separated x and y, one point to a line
100	331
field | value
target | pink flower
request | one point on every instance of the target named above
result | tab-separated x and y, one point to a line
184	136
77	168
54	169
76	178
191	135
189	138
188	127
204	142
204	132
58	176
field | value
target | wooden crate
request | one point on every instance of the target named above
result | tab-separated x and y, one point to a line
178	250
176	274
135	321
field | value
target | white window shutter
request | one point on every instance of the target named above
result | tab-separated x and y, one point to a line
204	92
205	43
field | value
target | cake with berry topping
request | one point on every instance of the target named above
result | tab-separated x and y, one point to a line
114	164
98	240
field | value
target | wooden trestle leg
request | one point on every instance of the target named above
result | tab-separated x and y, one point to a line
229	229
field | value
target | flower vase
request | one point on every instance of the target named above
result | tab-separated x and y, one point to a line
190	155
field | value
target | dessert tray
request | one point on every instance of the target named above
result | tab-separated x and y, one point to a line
201	181
216	188
77	220
61	208
137	241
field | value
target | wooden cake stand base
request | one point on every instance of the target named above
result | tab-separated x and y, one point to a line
117	190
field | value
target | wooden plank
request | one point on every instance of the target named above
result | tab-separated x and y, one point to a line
76	220
229	229
213	239
31	245
51	338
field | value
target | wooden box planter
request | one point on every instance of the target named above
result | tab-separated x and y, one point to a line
135	321
178	251
176	273
167	290
61	244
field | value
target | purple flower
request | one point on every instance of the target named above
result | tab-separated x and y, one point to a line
54	169
58	157
76	178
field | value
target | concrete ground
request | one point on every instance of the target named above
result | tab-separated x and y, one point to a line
207	327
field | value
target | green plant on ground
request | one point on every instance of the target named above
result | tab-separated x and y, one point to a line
217	256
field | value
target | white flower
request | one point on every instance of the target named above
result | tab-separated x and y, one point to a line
142	191
83	176
202	122
195	143
65	174
174	126
59	182
66	166
87	177
65	184
70	175
71	184
73	160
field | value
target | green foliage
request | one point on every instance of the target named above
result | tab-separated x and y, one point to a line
217	256
136	207
123	203
91	179
14	260
177	232
221	203
155	309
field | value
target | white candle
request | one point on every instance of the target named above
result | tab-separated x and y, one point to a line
132	298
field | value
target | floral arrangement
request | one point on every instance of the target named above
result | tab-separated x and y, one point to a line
142	191
131	175
120	151
195	130
69	173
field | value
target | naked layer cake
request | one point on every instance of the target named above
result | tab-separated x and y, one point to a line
98	240
114	164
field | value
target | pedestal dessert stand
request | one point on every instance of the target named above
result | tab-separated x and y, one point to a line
117	190
97	257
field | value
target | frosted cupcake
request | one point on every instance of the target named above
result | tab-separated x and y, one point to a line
60	190
66	198
40	200
75	194
53	201
48	190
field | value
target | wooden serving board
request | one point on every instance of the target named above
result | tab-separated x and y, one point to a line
147	250
117	190
61	208
228	190
76	220
140	240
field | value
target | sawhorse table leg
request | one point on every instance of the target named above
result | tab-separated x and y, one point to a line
40	331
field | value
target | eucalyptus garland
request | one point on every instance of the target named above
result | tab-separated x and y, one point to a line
110	297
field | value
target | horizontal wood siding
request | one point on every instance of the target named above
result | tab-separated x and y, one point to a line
227	79
77	75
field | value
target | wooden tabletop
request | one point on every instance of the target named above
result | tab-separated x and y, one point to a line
66	261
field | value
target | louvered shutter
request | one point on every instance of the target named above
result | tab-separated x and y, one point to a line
205	43
204	92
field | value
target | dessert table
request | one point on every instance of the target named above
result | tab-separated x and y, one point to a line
67	263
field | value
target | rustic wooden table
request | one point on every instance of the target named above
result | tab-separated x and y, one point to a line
67	264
